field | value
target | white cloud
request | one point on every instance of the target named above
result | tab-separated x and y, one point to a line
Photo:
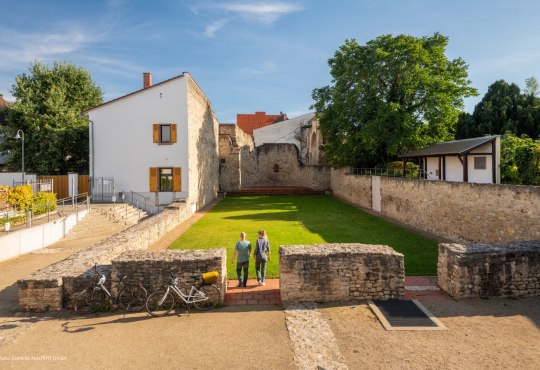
265	12
213	27
21	48
264	68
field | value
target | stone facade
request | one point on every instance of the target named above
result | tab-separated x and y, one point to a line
203	136
53	286
340	272
280	165
153	266
482	270
484	213
242	165
231	141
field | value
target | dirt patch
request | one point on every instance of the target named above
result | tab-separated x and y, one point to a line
483	334
225	338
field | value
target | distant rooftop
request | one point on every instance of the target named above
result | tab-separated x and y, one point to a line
249	122
3	104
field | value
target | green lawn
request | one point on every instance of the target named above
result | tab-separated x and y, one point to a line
303	220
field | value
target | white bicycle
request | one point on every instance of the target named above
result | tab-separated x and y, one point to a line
204	294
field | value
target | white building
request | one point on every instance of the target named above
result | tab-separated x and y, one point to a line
470	160
301	131
159	142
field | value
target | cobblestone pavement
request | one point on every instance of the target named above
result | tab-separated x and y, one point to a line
313	342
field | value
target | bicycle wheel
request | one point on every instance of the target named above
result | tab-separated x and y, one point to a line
214	296
134	299
89	300
157	308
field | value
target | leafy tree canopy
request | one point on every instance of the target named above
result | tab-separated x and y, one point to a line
520	160
502	109
532	87
48	106
389	96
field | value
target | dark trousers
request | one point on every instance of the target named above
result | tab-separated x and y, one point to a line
245	267
260	267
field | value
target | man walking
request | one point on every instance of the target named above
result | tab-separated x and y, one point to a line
242	252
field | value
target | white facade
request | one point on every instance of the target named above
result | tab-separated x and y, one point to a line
481	173
123	145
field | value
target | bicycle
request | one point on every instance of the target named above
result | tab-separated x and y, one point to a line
132	298
204	294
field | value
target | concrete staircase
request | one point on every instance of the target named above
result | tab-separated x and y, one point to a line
105	219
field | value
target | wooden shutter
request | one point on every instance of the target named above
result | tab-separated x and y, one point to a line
154	179
156	128
177	179
173	133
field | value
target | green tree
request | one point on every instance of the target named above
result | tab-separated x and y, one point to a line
502	109
531	86
48	106
520	160
391	95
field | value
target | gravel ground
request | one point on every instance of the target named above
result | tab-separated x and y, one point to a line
499	333
312	340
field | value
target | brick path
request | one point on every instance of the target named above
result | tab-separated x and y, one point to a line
253	294
423	287
416	287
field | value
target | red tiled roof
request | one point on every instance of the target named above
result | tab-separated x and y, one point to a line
3	103
249	122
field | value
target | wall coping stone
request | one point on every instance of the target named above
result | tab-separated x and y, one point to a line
171	255
337	249
468	249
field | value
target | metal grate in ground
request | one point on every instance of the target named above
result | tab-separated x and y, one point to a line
396	314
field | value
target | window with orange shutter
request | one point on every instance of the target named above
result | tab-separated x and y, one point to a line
164	133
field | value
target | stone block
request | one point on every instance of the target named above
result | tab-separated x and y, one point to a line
340	272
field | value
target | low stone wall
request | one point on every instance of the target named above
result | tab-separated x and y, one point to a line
461	212
482	270
340	272
51	288
153	266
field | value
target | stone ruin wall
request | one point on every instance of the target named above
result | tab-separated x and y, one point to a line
340	272
463	212
242	165
280	165
153	266
231	141
52	288
483	270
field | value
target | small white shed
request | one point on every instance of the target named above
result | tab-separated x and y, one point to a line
469	160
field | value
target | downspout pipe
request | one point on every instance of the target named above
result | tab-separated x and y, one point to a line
91	154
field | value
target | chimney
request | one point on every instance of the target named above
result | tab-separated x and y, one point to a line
147	79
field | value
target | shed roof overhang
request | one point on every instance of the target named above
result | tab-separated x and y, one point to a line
455	147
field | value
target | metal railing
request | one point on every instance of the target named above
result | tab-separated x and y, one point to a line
391	172
139	201
61	208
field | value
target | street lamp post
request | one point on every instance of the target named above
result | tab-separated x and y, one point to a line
20	135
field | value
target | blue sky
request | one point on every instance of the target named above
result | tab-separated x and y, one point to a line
252	55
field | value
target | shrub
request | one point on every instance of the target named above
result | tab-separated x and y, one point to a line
520	160
396	169
41	200
20	197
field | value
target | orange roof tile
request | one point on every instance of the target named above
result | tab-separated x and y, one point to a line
249	122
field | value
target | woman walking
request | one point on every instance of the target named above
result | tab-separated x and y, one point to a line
262	255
